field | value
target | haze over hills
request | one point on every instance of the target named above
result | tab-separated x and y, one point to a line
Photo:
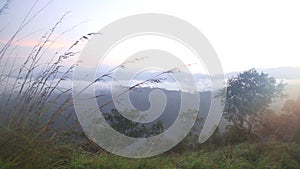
140	100
278	72
290	75
140	97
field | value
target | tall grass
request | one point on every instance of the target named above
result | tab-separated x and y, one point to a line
32	100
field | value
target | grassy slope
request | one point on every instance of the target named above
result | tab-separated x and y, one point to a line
242	156
252	156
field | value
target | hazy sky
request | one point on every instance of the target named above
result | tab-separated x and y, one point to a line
245	34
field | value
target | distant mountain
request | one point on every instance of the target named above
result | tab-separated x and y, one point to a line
278	72
139	98
127	77
140	101
283	72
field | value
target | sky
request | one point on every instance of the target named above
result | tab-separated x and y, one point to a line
245	34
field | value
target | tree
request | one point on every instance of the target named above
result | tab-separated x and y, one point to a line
130	128
248	96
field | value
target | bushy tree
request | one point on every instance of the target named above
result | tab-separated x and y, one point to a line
130	128
248	96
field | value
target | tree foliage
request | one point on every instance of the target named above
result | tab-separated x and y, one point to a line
130	128
248	96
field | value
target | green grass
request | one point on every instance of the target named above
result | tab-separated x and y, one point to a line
245	156
20	154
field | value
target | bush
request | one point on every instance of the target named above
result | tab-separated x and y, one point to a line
282	126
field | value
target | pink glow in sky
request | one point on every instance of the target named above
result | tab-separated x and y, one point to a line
245	34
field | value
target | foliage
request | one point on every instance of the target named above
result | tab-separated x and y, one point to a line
283	126
248	96
32	101
29	150
130	128
248	156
